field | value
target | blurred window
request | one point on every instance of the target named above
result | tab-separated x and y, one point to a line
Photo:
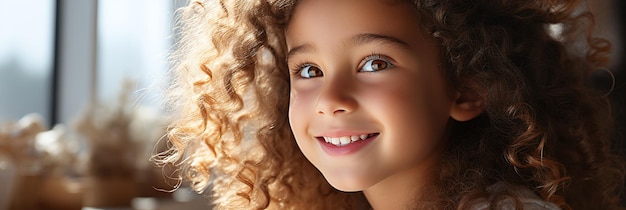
134	39
26	58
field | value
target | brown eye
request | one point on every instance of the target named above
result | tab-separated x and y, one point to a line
310	71
375	64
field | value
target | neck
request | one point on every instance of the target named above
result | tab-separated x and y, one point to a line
403	190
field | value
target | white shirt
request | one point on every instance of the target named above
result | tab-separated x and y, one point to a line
529	200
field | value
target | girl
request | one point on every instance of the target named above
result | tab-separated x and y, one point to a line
391	104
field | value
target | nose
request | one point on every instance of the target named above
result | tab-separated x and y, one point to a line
336	97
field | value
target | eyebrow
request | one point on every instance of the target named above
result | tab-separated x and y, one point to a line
361	39
358	39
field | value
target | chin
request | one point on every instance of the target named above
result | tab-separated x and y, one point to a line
347	185
346	188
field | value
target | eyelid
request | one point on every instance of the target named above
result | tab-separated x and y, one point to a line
375	56
298	67
297	70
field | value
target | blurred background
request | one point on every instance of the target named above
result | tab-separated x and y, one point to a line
74	73
80	105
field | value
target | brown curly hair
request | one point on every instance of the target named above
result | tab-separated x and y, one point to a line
543	127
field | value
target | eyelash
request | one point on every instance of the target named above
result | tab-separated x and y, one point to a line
296	70
374	56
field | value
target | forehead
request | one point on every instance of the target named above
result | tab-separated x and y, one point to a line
332	19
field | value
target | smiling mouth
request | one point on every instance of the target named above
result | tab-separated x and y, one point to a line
345	140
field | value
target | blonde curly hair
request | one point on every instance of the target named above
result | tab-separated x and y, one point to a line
543	128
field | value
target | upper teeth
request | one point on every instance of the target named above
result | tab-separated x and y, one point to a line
340	141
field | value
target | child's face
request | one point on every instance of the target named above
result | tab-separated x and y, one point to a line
364	71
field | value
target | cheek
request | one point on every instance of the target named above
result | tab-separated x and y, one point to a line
300	106
300	109
406	106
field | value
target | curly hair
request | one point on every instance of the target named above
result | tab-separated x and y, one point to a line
543	127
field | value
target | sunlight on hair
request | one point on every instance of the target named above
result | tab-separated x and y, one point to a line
556	31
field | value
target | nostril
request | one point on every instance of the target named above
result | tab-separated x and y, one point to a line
339	111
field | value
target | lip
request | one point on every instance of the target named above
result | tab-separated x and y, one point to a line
353	147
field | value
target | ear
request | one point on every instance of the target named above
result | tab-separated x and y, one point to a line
468	104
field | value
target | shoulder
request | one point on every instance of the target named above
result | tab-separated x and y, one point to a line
527	198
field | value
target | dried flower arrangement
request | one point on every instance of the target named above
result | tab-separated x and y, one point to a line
58	152
20	166
17	142
107	168
111	150
60	182
119	137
